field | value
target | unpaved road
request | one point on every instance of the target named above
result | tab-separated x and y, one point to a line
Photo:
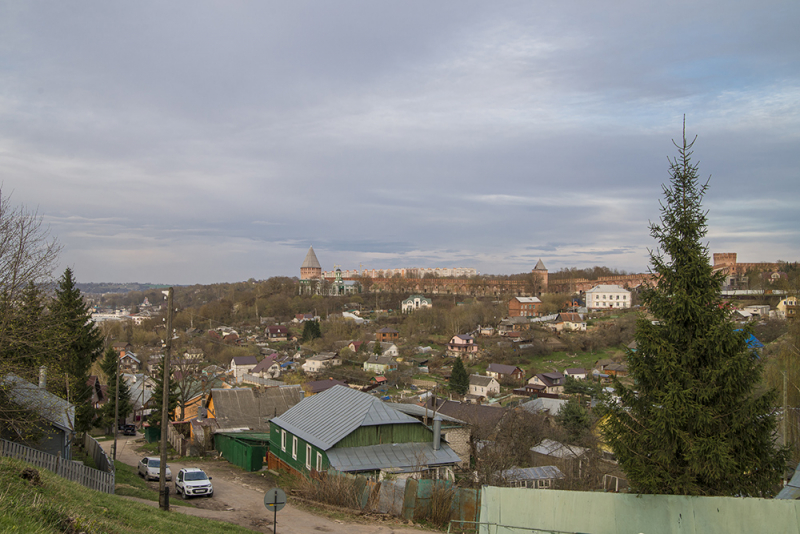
239	499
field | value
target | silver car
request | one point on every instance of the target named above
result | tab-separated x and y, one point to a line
150	468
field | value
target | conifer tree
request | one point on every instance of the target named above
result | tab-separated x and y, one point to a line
109	366
459	379
695	421
78	343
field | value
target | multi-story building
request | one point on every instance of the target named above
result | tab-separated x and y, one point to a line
415	302
524	307
608	296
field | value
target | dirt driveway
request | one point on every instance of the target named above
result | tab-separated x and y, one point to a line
239	499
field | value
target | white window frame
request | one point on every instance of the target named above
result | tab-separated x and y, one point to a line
319	461
283	440
308	456
294	447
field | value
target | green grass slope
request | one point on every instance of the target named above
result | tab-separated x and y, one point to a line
52	504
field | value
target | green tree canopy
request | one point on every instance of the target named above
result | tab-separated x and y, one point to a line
459	379
694	423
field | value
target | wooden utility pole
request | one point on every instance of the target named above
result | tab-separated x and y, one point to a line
116	413
785	409
163	496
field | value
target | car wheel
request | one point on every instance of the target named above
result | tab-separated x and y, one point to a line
183	494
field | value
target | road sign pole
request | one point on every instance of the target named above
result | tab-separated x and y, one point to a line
275	515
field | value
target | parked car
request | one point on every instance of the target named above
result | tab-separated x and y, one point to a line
128	430
150	468
192	482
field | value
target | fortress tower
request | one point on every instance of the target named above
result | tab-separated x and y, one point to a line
541	271
311	269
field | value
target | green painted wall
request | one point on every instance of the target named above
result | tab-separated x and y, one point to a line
503	509
376	435
286	455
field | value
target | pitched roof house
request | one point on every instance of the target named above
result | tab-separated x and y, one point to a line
461	344
380	364
501	371
57	416
387	334
238	409
553	382
351	431
483	386
241	365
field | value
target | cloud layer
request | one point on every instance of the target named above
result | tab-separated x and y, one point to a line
203	142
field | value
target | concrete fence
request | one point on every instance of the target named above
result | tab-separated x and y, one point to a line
75	471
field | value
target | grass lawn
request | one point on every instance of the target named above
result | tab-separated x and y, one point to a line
55	505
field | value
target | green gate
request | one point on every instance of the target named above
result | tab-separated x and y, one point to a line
248	450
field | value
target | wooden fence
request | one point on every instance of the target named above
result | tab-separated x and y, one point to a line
177	440
75	471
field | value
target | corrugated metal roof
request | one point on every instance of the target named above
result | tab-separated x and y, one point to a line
48	406
325	419
252	408
404	457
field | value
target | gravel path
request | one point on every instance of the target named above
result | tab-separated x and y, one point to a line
239	499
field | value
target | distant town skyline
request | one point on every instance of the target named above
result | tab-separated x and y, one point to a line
204	142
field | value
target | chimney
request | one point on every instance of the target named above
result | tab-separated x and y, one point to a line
43	377
437	433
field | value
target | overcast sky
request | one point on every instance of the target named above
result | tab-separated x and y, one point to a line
201	142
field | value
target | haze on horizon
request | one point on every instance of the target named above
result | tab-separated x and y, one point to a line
202	142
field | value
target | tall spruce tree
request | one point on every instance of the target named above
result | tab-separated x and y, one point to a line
459	379
108	412
78	343
695	421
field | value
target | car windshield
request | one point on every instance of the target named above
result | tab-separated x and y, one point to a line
154	462
196	475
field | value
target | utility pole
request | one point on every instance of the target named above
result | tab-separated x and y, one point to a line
163	496
785	409
116	412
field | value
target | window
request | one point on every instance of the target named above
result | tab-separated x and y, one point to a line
283	440
308	456
294	447
319	461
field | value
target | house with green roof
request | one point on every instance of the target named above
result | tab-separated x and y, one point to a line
355	432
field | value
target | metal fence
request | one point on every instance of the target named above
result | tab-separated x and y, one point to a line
101	459
75	471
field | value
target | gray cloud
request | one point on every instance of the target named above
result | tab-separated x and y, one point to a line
203	142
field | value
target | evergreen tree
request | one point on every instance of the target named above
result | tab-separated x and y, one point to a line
78	343
459	379
574	418
311	331
109	366
158	398
694	422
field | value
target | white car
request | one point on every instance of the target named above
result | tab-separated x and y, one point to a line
192	482
150	468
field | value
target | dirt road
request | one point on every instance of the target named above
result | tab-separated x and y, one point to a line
239	499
